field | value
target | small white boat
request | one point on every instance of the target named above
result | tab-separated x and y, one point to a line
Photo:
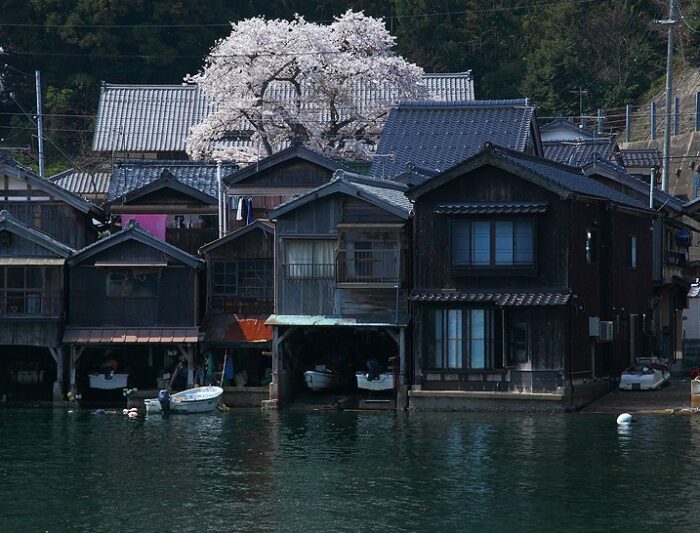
322	378
108	380
197	400
384	381
649	373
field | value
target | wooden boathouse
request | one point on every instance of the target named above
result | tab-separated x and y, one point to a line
342	275
135	302
527	276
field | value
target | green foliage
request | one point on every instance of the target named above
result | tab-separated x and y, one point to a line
607	47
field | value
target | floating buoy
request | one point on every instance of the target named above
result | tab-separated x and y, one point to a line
100	412
133	410
125	411
624	418
133	414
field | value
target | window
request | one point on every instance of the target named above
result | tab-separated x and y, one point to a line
309	259
21	290
369	262
632	247
591	246
499	243
519	343
135	283
458	338
244	279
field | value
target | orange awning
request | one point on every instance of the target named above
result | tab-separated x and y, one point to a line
232	328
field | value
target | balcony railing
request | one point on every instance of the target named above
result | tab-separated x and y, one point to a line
368	266
28	303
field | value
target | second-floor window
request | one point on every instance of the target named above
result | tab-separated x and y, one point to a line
632	251
492	243
243	279
132	283
309	259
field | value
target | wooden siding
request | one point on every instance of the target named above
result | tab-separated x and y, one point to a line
291	173
56	219
30	333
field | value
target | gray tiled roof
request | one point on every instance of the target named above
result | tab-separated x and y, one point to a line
568	177
132	175
158	118
578	153
437	135
83	183
641	158
491	208
496	297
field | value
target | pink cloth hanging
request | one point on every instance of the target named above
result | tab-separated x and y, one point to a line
153	224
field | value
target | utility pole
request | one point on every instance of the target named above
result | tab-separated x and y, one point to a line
39	124
670	22
581	93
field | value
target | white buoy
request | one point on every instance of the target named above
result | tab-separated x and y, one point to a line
132	414
624	418
125	411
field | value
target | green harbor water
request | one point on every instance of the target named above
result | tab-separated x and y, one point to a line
330	471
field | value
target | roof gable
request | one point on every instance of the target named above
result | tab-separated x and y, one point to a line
167	181
135	233
280	158
12	225
262	225
385	195
563	129
560	179
438	135
53	191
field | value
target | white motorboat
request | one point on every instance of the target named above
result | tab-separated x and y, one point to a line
648	373
109	380
197	400
322	378
383	381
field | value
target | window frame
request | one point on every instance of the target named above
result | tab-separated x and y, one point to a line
463	351
529	268
632	251
238	269
318	271
592	255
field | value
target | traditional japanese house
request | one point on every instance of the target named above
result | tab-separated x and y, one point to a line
274	180
240	297
342	272
527	276
134	306
42	204
671	272
177	201
31	311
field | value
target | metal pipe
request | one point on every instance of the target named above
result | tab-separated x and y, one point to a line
39	123
665	177
652	186
220	184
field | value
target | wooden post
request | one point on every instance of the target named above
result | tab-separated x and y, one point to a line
652	120
72	362
57	354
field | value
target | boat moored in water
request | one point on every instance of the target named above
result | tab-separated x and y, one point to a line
648	373
382	381
197	400
323	378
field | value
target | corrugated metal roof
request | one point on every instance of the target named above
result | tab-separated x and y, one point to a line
235	329
491	208
329	321
577	153
641	158
130	335
496	297
86	184
158	118
438	135
132	175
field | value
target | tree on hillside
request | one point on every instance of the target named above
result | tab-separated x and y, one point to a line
279	81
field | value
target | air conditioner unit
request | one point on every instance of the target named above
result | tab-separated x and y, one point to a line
606	331
593	326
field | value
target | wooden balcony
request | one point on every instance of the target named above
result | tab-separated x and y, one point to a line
369	267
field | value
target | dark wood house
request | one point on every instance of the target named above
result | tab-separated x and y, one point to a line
240	297
342	275
42	204
31	311
274	180
527	278
134	301
177	201
671	269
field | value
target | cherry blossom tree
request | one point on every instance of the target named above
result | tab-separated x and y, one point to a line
276	82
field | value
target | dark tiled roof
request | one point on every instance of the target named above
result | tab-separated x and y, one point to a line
10	223
578	153
491	208
437	135
642	158
83	183
132	175
496	297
